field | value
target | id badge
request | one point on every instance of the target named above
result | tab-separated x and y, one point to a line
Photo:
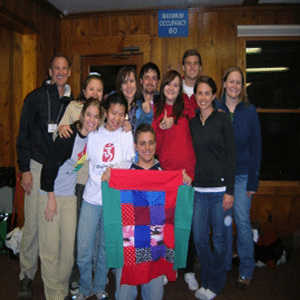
51	127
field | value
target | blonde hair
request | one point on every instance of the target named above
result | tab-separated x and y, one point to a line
243	96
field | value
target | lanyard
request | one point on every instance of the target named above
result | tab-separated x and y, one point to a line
49	110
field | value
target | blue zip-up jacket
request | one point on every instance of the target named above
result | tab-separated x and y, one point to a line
247	141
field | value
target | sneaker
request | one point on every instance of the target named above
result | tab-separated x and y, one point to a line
74	288
201	294
101	295
242	282
25	289
80	296
191	281
210	294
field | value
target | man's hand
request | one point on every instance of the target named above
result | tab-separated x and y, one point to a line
106	175
146	107
166	122
51	208
227	201
186	178
64	131
27	182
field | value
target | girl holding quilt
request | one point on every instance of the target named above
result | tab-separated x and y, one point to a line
110	146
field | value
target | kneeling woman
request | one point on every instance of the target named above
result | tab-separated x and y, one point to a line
57	208
213	141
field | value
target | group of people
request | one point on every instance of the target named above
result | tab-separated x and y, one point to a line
216	144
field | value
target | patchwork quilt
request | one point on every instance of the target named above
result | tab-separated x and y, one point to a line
147	221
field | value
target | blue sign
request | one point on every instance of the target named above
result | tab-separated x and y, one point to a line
173	23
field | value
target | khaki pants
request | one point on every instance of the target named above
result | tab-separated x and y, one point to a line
56	242
29	247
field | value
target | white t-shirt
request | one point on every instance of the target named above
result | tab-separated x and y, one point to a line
189	90
106	149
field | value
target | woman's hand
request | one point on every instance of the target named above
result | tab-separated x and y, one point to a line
186	178
126	126
106	175
146	107
250	193
51	208
227	201
64	131
166	122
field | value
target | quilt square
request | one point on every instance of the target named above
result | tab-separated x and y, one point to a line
158	252
126	196
128	236
142	215
170	255
157	215
143	255
170	215
142	236
156	198
157	235
129	256
127	214
140	198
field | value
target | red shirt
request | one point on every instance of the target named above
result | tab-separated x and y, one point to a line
174	146
190	105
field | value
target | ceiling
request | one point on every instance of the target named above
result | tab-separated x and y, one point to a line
83	6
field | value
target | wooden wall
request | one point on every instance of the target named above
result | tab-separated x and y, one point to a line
29	37
212	31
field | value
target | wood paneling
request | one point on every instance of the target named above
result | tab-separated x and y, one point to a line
29	37
213	31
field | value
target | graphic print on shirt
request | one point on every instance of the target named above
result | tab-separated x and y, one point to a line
81	158
108	152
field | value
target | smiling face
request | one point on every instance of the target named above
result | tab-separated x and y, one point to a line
149	82
90	120
59	71
204	97
128	87
171	90
115	116
94	89
233	85
145	147
191	67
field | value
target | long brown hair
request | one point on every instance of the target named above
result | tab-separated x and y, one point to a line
178	105
89	102
124	73
243	96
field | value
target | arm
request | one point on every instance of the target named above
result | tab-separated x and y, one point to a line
229	144
143	117
26	129
60	152
70	116
51	208
255	153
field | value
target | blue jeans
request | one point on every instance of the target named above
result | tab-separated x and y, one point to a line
208	211
154	290
241	215
90	218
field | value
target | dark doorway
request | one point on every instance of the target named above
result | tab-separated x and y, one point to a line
108	67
